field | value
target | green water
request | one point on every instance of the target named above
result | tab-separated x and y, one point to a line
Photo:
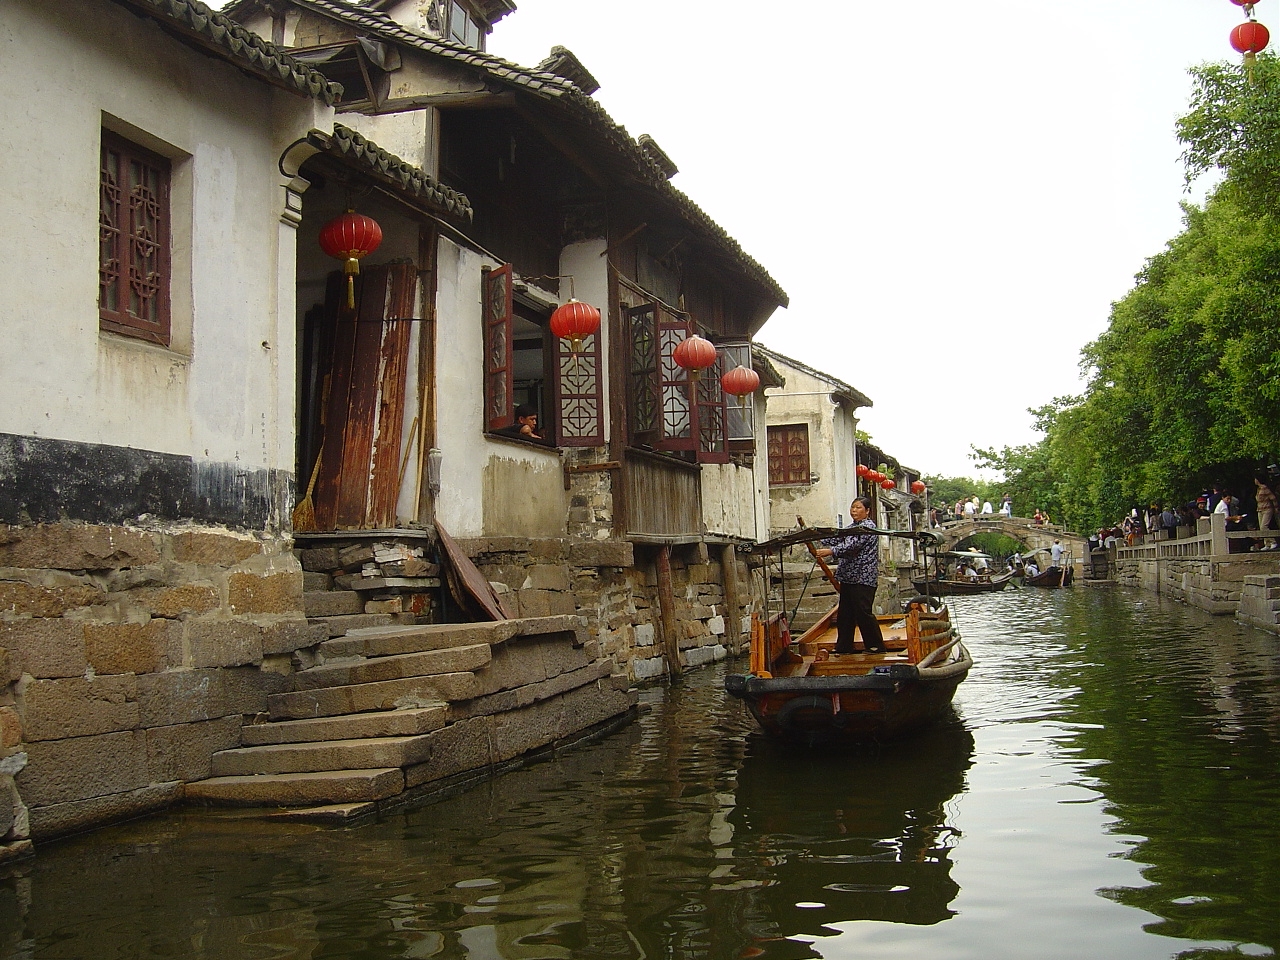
1107	789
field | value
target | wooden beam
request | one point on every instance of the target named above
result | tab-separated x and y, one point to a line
667	613
732	601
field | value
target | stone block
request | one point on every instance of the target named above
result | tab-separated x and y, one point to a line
78	707
534	603
299	789
340	626
546	576
356	555
79	768
59	819
390	605
213	548
247	689
290	634
314	582
181	696
224	643
44	648
606	553
382	723
333	603
562	604
65	546
459	747
12	811
319	559
185	600
430	663
113	648
385	695
49	599
185	751
366	754
715	626
10	729
647	669
278	593
645	634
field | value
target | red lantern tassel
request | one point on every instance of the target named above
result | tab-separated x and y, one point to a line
352	268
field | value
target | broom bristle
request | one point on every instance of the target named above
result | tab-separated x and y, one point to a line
304	515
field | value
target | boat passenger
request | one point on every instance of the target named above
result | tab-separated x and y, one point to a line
1031	570
858	573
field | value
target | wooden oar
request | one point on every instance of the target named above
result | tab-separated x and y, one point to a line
826	570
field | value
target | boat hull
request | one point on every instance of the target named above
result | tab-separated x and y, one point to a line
879	706
960	588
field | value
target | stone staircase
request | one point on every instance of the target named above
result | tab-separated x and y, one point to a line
388	713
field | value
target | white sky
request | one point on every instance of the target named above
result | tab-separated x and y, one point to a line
951	193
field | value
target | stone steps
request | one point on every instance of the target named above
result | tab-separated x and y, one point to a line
398	707
384	723
299	789
327	755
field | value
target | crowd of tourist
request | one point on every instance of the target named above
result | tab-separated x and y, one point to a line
1158	518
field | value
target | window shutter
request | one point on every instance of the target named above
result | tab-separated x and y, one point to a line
642	374
677	410
712	413
499	385
579	393
788	454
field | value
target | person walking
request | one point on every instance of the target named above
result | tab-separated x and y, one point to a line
858	573
1266	500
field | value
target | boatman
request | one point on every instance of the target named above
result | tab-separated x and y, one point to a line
858	573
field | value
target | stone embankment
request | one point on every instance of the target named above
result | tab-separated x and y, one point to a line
387	713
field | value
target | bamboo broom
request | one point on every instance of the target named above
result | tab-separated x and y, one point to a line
304	514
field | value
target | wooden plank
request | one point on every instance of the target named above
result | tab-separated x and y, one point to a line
732	600
362	405
394	365
471	589
334	396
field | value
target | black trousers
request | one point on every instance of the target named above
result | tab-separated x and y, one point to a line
857	610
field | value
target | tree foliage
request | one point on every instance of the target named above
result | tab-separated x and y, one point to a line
1184	385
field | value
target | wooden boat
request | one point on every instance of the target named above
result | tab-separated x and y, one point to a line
1050	577
807	693
952	588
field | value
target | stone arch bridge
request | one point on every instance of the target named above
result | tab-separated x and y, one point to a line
1030	535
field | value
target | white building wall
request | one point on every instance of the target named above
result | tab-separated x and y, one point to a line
216	393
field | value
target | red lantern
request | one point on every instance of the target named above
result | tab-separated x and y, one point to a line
740	381
863	470
694	354
875	476
1250	38
917	487
349	237
575	321
888	484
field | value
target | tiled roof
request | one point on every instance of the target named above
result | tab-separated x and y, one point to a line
838	387
348	144
239	45
582	108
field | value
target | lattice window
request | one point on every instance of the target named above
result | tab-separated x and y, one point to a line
133	241
789	454
740	412
579	393
712	426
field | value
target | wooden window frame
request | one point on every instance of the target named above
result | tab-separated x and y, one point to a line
783	476
120	237
575	383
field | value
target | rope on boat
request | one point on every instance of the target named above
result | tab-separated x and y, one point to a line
937	654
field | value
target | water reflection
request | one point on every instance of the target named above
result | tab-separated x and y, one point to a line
1113	770
836	837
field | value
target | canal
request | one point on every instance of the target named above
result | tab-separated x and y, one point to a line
1109	788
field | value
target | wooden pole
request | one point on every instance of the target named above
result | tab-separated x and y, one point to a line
732	602
667	612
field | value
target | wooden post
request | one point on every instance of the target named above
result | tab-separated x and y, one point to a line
732	602
667	610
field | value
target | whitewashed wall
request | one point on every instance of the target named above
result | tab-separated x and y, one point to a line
222	390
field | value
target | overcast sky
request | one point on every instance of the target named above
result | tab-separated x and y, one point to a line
951	193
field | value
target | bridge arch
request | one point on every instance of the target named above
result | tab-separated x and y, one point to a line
1031	535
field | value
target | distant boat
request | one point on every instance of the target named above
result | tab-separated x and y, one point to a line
953	588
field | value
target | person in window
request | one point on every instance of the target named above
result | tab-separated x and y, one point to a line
527	422
858	573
